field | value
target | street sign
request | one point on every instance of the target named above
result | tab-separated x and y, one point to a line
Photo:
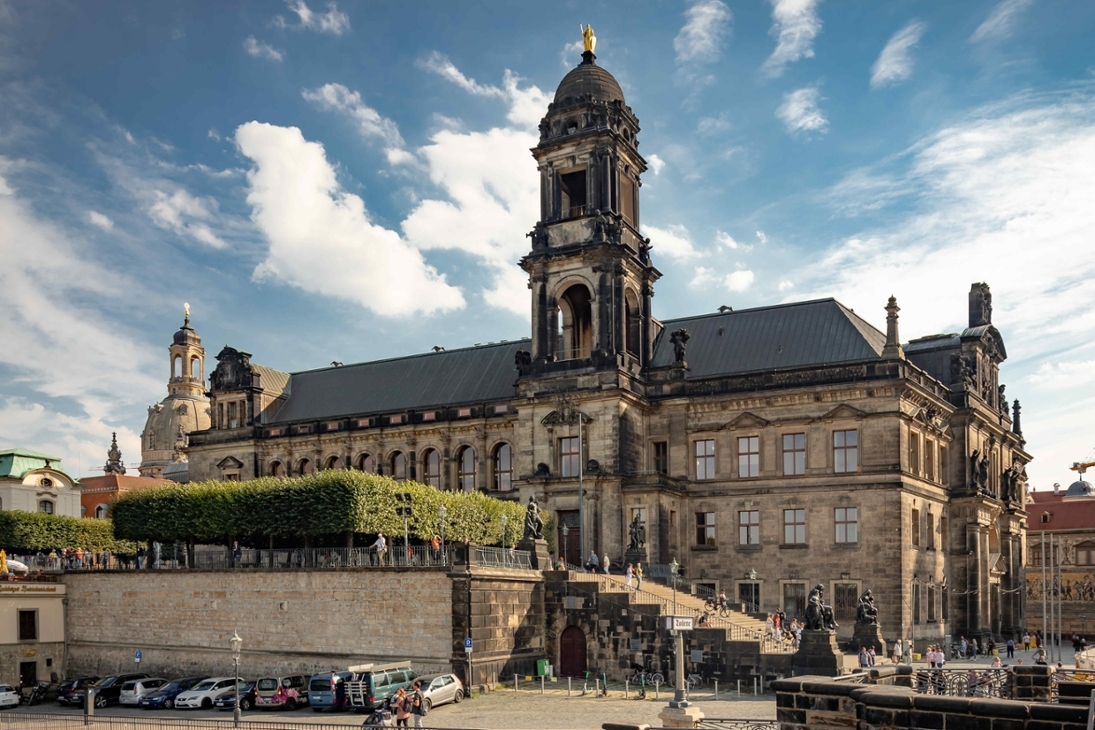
678	623
467	645
137	656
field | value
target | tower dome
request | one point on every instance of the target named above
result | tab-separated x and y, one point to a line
588	82
1080	488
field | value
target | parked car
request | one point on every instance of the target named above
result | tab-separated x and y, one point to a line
9	696
135	689
165	696
108	691
71	691
374	684
202	694
328	691
227	700
438	689
288	693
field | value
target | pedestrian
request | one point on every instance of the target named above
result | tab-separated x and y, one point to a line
996	663
237	554
418	704
402	707
907	648
770	625
864	660
629	574
435	548
896	654
380	547
975	648
105	558
638	576
940	657
870	655
1026	641
593	562
929	656
606	564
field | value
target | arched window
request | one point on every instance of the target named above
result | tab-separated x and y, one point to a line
431	467
195	368
399	466
465	470
576	323
503	468
306	467
46	506
366	463
333	462
277	469
631	304
176	366
101	511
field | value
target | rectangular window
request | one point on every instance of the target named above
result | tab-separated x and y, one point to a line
639	512
661	457
395	420
429	416
931	531
28	625
943	465
794	600
498	410
943	613
749	527
931	603
233	415
1085	555
673	533
847	524
794	527
845	601
845	451
705	459
749	456
463	413
916	603
705	528
914	526
572	185
794	453
627	199
914	452
569	456
929	459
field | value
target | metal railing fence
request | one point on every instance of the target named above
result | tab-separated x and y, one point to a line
19	720
502	557
975	682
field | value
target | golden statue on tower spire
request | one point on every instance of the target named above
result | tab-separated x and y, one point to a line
588	37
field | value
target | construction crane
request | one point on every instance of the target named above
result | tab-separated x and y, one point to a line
1082	467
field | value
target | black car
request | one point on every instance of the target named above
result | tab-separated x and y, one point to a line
227	700
107	691
71	691
164	697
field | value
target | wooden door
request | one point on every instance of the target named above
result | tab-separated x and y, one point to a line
572	652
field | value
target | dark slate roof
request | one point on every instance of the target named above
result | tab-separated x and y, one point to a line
933	342
589	78
272	380
436	379
780	337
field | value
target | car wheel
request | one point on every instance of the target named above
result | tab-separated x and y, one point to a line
458	696
169	704
100	702
207	704
245	704
427	704
291	704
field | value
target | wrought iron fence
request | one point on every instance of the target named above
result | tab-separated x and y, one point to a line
502	557
986	682
737	724
18	720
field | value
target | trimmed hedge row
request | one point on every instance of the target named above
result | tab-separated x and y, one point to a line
28	532
330	503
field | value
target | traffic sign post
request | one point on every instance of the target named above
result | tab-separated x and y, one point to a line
467	649
137	657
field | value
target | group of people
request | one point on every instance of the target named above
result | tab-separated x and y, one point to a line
409	705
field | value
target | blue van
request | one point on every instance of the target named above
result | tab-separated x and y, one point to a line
328	691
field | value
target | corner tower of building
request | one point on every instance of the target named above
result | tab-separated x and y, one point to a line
589	268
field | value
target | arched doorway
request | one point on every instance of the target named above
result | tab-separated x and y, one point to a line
572	652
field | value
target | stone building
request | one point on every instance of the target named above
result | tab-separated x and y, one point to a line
33	482
183	411
32	631
97	494
766	450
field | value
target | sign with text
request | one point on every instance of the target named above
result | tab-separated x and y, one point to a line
467	645
678	623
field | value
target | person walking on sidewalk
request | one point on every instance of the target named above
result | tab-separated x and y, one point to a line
630	573
638	576
418	704
606	563
1011	648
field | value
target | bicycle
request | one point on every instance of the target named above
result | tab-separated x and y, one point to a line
692	681
712	605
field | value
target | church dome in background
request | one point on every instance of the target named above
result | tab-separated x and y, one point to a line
1080	488
588	82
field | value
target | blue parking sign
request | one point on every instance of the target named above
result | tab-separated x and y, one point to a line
467	644
137	655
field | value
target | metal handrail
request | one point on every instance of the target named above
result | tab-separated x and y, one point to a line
502	557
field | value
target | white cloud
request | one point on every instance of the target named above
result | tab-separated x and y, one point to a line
439	64
674	241
334	21
1063	376
706	27
259	49
656	164
1001	22
371	125
1001	196
739	281
762	237
799	111
785	285
99	220
714	125
185	214
724	239
895	63
320	237
795	24
527	106
571	54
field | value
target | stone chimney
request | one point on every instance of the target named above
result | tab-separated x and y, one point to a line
892	350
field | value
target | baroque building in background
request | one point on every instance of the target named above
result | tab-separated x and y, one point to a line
766	450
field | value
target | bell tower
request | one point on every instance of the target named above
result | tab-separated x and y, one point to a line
589	268
187	361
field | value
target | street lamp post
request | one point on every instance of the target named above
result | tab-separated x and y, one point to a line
404	498
505	555
566	531
679	699
236	643
441	512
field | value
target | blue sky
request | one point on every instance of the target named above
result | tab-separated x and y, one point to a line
352	181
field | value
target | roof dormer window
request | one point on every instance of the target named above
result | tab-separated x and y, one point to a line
1045	517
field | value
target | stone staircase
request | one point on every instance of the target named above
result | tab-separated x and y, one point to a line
739	626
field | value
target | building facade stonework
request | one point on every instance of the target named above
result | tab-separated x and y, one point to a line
766	450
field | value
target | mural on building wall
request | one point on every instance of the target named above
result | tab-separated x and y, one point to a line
1071	587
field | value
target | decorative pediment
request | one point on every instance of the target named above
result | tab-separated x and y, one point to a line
843	411
747	420
229	462
556	418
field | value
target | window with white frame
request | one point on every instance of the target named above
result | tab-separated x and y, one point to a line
748	456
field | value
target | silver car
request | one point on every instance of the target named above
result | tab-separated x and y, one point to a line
437	689
135	689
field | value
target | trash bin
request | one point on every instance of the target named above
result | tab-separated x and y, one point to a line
541	667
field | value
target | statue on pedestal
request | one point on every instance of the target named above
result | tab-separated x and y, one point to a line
865	613
534	524
637	535
819	617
